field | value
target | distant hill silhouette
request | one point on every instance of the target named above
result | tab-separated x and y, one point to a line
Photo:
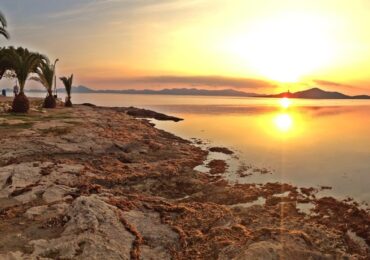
174	91
316	93
313	93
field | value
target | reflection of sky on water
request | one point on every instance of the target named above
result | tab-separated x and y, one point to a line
246	110
304	145
307	143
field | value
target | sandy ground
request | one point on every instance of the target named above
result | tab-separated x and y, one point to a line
9	99
96	183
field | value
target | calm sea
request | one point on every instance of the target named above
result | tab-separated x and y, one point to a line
309	143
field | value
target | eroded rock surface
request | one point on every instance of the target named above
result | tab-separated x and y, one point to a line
96	183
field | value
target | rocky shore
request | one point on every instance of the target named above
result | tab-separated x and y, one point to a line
98	183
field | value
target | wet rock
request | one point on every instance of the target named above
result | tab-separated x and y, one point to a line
267	250
223	150
217	166
88	105
144	113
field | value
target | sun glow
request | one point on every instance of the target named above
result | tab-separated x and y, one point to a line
287	47
283	122
286	124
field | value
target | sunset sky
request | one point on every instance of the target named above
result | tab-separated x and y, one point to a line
255	46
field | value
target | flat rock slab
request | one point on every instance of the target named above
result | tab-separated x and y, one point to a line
96	183
159	238
94	231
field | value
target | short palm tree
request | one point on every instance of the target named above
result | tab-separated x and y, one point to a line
22	62
68	86
45	75
3	24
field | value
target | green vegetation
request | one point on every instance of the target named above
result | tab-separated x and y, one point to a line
17	121
68	86
18	116
23	125
45	75
3	32
57	116
3	25
21	63
58	130
35	117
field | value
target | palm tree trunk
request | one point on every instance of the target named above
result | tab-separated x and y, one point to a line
21	85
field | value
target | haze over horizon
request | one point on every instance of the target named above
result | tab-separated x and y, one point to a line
265	46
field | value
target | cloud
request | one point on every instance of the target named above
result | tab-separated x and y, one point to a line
208	81
78	9
339	86
170	6
101	7
330	83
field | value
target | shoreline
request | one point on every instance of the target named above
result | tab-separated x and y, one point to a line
92	181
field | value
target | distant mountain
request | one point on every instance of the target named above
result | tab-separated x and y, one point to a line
201	92
174	91
316	93
313	93
80	89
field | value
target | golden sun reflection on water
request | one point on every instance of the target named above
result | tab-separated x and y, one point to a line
285	102
286	121
283	122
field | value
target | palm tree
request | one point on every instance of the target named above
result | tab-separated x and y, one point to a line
68	85
3	24
4	62
22	62
46	73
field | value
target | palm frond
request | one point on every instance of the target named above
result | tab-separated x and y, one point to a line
2	20
45	72
3	24
5	63
67	84
4	33
36	79
22	62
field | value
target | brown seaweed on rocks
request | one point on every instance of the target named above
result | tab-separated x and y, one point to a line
115	187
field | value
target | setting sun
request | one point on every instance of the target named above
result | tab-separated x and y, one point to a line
285	102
